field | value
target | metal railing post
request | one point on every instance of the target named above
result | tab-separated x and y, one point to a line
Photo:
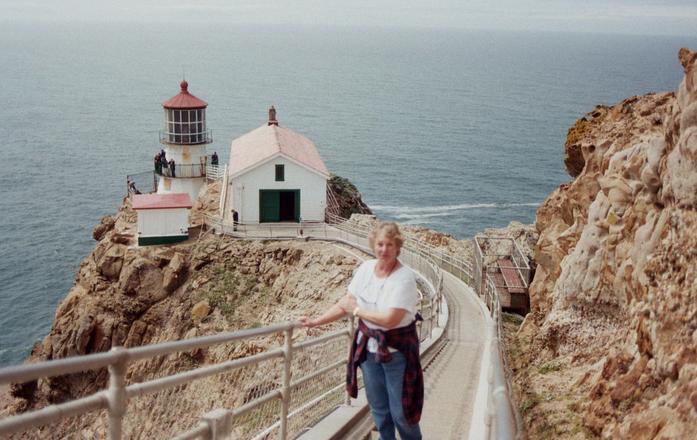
434	315
285	391
352	329
117	395
219	424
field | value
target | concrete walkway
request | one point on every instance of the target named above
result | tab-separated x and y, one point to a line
451	379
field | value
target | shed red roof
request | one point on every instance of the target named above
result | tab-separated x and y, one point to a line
161	201
184	99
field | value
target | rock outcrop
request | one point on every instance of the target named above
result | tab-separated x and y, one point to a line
348	199
130	296
611	349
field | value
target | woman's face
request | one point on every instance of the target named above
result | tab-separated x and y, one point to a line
386	249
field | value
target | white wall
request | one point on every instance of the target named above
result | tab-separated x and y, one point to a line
243	192
163	222
192	186
185	154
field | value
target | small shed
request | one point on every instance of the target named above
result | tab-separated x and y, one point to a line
162	218
275	175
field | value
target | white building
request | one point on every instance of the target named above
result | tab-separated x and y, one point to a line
275	175
162	218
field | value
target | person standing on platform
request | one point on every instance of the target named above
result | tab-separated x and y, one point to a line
235	218
158	164
163	165
383	296
214	159
171	167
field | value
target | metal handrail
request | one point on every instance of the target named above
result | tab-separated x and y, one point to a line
502	414
317	230
182	170
218	423
414	243
214	172
123	357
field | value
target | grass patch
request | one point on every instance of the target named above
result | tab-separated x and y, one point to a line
628	403
226	288
188	362
512	318
546	430
578	428
531	401
549	367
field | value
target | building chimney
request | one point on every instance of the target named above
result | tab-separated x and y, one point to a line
272	116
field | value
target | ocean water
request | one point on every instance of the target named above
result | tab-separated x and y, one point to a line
454	130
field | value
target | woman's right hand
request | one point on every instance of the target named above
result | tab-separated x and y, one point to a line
306	322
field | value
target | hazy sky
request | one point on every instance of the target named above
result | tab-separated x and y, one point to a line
668	17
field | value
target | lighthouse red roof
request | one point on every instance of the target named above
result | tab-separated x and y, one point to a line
184	99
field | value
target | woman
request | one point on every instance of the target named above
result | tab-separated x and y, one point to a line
383	295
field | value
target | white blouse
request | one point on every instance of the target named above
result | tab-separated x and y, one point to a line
396	291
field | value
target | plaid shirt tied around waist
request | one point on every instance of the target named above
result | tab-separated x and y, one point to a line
406	341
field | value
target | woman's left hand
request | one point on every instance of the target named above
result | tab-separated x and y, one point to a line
306	322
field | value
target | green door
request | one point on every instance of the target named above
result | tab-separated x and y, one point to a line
269	205
279	205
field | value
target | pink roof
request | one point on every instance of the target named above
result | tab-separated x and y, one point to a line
161	201
267	141
184	99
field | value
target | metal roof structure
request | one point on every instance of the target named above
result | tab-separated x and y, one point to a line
184	100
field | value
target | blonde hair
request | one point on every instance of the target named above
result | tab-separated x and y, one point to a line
388	230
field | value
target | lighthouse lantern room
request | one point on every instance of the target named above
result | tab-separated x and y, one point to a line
182	167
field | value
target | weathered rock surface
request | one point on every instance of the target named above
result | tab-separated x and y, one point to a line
611	349
130	296
348	199
207	203
107	224
199	311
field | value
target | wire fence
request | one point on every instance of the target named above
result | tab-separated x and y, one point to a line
141	183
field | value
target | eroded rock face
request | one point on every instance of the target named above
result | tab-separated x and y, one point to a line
175	273
110	261
615	293
131	296
105	225
348	199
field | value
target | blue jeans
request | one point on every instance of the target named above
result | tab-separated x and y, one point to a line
383	387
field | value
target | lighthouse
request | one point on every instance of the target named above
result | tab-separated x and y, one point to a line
182	168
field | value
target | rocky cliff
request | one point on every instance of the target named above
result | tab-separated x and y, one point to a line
129	296
611	347
348	198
